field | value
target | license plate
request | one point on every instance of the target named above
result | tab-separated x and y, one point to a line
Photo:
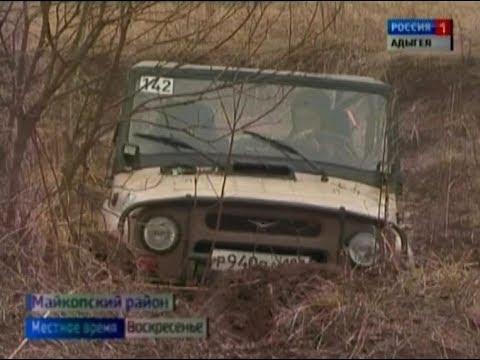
239	260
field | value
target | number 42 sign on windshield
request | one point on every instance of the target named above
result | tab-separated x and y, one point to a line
157	85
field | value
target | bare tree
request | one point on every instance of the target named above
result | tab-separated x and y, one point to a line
62	68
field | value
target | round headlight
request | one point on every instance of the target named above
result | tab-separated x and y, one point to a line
160	234
362	249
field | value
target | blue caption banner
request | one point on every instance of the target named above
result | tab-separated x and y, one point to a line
98	302
74	328
411	26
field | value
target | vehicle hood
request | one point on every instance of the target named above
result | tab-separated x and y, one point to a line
148	185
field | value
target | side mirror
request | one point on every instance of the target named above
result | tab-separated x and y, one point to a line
391	174
385	169
383	173
130	151
130	154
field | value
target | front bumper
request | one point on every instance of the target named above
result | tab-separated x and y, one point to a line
272	227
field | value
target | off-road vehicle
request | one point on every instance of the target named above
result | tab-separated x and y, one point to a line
226	168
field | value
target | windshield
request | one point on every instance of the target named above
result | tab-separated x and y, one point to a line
188	116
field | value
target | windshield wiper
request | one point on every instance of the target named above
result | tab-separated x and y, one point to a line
288	148
176	143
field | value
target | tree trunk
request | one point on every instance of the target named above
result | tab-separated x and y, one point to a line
14	174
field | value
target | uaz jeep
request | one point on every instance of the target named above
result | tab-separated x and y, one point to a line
225	168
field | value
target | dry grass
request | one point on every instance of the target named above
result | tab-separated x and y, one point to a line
430	311
353	40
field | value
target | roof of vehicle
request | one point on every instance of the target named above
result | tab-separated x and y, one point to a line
346	80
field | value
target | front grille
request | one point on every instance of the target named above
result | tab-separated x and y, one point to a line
264	225
206	246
